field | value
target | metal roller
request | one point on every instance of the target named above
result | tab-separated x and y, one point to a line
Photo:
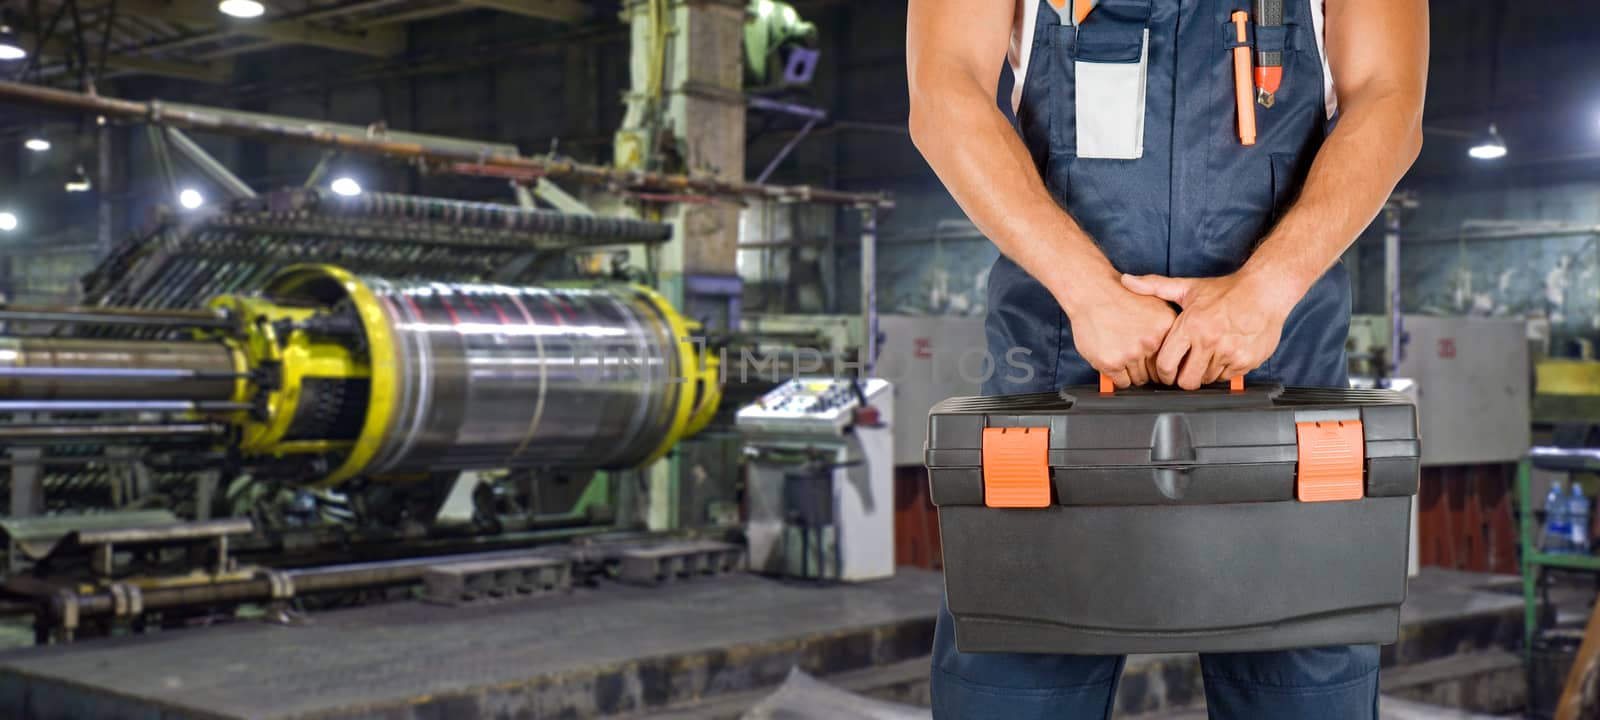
501	376
39	368
467	375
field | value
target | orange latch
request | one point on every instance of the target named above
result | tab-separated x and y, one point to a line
1332	461
1016	467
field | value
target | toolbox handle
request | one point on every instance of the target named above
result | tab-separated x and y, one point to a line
1107	387
1163	398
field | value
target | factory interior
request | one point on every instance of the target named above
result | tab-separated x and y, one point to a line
575	358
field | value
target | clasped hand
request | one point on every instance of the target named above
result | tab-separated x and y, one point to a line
1225	327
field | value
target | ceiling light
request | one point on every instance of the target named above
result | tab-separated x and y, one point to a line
8	222
242	8
1490	146
191	199
79	182
10	46
346	186
37	144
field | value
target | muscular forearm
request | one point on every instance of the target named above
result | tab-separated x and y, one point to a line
1367	153
952	48
986	167
1231	325
1378	50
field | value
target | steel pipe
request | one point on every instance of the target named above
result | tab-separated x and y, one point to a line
109	374
175	319
74	433
454	158
48	369
77	406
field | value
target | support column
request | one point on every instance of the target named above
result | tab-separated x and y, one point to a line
1391	284
869	291
1392	211
686	113
27	482
105	179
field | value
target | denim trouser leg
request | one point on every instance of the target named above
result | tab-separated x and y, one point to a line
1016	686
1332	683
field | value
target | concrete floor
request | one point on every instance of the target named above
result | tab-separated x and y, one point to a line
802	697
1388	709
720	644
596	651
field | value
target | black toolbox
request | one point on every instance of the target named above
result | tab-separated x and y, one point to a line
1157	520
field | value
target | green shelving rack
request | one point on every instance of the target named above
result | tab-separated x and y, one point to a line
1535	560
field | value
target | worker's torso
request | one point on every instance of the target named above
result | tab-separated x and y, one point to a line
1139	140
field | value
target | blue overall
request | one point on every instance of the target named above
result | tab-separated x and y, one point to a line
1193	205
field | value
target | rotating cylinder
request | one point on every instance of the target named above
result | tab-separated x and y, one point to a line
326	376
467	375
503	376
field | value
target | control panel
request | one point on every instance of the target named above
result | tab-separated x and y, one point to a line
811	406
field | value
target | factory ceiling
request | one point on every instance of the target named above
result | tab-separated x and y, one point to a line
194	40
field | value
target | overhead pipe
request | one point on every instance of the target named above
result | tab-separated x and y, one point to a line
454	158
137	317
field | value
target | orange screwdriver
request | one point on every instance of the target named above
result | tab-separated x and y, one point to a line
1243	85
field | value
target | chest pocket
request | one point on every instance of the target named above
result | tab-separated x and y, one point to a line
1257	182
1111	62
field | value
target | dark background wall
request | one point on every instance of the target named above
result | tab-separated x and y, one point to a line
1531	67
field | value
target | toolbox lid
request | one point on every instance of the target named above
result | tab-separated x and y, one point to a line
1084	446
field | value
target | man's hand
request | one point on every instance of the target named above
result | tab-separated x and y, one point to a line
1229	325
1118	332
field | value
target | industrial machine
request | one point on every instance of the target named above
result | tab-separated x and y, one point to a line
440	358
779	46
820	494
303	378
325	376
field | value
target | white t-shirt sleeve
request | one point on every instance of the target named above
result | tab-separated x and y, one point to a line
1021	47
1319	24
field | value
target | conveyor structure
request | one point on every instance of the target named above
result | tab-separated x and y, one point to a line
184	261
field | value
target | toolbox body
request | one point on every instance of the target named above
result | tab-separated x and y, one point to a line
1157	520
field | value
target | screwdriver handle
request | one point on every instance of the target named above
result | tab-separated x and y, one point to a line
1269	13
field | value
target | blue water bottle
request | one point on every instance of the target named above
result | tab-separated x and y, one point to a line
1578	519
1557	531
